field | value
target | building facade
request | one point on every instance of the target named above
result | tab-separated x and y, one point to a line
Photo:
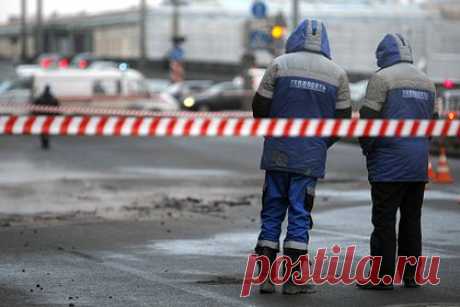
214	33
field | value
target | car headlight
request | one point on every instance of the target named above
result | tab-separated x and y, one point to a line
189	102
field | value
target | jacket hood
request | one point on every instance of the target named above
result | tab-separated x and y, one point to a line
393	49
310	35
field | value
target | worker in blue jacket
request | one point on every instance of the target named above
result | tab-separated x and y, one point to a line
398	167
303	83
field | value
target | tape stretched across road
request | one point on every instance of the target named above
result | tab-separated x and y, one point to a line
223	127
13	108
25	108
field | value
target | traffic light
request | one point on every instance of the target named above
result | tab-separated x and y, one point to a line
267	34
278	32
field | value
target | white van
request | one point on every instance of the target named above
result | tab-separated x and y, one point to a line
107	88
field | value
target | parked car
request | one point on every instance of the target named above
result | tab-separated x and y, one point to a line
157	86
156	103
220	97
160	100
16	91
185	89
12	92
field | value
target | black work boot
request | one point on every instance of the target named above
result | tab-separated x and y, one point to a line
381	286
409	277
290	288
410	282
267	287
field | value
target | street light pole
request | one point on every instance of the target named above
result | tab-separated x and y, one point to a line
295	13
24	52
39	44
175	19
142	34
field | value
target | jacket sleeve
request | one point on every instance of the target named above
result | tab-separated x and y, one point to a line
374	101
262	102
343	105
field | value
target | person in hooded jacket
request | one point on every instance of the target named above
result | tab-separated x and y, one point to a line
397	167
303	83
46	99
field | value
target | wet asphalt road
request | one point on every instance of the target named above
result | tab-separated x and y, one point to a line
122	222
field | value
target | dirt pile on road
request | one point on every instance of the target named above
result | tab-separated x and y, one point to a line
142	207
177	206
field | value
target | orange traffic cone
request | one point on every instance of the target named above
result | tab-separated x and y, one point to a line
444	175
431	173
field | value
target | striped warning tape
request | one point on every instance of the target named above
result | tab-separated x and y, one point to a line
8	108
223	127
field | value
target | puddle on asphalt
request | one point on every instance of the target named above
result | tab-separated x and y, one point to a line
228	244
332	228
242	244
365	195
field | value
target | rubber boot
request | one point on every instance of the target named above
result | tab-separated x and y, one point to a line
290	288
381	286
267	287
410	283
409	278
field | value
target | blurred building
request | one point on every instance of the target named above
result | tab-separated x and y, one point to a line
111	35
214	32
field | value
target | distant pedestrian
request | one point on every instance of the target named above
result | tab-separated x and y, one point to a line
176	64
398	167
46	99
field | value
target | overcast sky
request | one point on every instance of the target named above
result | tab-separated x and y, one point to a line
12	7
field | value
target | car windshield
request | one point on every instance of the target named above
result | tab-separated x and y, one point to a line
199	85
157	85
18	84
221	87
5	86
173	89
103	65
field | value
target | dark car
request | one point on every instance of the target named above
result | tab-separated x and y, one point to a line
185	89
220	97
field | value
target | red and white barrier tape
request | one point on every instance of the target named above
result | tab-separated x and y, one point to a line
9	107
12	107
223	127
